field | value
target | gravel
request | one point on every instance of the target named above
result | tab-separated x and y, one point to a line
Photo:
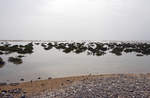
122	86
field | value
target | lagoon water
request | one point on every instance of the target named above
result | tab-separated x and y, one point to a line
55	63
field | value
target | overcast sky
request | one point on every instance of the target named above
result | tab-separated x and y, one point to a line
74	19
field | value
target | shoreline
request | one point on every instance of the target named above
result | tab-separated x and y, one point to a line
35	87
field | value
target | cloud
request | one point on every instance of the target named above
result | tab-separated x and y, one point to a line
75	19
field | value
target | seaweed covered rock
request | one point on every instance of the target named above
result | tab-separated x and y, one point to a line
20	56
15	60
1	53
48	47
139	55
36	43
17	48
1	62
117	51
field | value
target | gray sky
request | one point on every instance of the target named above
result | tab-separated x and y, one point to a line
75	19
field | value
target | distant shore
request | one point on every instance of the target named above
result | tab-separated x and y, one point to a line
35	87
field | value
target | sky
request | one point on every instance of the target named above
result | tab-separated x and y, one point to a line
74	20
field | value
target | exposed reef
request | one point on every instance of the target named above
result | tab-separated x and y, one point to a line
99	49
90	48
21	49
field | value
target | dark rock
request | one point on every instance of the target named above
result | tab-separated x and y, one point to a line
3	91
49	78
37	43
20	56
1	61
15	60
139	55
1	53
14	84
21	79
23	96
3	83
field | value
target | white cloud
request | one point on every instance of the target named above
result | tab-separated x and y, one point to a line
75	19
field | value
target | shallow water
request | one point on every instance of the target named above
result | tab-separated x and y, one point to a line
54	63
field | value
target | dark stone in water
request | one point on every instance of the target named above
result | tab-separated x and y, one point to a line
21	79
1	53
15	60
17	48
14	84
20	56
139	55
1	61
37	43
49	78
3	83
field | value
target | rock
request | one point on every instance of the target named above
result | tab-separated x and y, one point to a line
1	53
70	81
49	78
14	84
21	79
139	55
3	83
1	61
15	60
23	96
3	91
20	56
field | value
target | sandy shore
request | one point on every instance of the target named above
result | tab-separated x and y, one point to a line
53	83
36	87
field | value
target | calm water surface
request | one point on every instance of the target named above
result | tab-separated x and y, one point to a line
54	63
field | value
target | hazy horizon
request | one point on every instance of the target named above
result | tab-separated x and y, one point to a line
74	19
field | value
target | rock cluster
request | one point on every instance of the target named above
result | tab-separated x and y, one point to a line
13	93
99	48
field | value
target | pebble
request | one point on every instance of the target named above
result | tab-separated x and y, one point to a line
10	93
123	87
